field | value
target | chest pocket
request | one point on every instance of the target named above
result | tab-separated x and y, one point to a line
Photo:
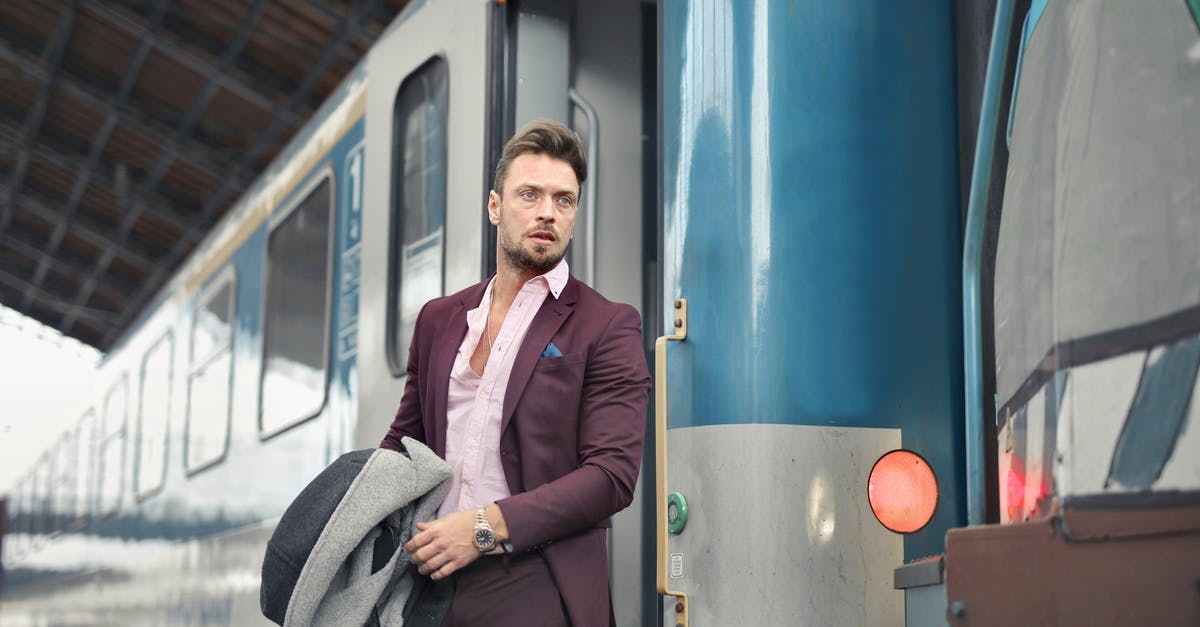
554	387
551	364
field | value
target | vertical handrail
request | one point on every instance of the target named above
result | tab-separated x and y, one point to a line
660	460
593	134
981	179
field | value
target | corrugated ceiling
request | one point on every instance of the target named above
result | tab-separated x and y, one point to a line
127	128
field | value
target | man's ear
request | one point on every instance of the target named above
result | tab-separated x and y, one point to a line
493	207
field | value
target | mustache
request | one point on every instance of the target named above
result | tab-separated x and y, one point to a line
542	229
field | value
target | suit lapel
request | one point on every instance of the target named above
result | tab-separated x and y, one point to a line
442	361
545	324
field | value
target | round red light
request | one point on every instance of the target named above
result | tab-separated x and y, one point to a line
903	491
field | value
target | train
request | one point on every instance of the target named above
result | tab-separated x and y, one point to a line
919	291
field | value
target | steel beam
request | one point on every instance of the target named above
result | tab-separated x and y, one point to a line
41	205
51	301
51	58
351	27
58	154
148	34
168	155
262	78
98	143
114	284
80	88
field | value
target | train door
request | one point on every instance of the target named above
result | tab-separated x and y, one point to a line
448	84
425	145
585	63
612	105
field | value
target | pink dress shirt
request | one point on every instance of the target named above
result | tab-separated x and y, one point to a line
476	402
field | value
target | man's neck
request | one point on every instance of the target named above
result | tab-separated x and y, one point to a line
508	283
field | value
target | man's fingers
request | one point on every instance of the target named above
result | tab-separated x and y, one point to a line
421	539
437	568
445	570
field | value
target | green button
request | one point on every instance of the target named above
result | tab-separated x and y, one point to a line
677	512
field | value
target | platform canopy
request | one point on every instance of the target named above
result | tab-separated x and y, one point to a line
128	127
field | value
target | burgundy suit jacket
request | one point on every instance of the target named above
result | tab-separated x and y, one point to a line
571	431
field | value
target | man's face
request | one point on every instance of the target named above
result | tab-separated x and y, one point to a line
535	218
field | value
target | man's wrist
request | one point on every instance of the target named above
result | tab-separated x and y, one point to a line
495	517
484	536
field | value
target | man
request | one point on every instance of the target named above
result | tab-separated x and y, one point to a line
533	387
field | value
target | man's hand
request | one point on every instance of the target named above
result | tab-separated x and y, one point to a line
443	545
448	543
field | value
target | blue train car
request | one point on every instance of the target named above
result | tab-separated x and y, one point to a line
925	310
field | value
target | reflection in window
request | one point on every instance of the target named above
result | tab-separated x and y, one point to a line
295	344
85	459
209	374
41	496
16	538
418	202
63	488
112	448
152	417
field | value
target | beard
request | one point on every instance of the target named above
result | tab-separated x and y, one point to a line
518	258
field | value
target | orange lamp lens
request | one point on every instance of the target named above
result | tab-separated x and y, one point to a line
903	491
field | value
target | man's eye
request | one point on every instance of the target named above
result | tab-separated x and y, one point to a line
529	195
566	201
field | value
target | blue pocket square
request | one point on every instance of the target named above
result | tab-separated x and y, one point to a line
551	351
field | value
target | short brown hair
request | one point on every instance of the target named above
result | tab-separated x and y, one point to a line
542	137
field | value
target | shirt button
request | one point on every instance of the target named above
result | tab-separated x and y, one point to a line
483	394
474	442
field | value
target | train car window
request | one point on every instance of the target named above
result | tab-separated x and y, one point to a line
418	214
85	459
153	407
14	543
112	448
41	496
296	313
27	511
63	484
210	373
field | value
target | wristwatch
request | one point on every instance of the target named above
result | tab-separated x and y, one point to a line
485	536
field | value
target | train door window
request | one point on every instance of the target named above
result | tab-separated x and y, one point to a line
63	485
153	411
210	373
85	458
112	448
418	214
296	312
41	496
14	543
24	508
27	510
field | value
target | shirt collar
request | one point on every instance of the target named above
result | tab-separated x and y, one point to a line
554	280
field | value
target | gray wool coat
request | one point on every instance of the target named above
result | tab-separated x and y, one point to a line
335	557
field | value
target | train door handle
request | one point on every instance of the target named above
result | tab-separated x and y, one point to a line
589	191
660	460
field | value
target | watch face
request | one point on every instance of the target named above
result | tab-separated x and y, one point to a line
485	539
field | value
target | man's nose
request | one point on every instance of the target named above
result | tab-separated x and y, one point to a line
545	209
